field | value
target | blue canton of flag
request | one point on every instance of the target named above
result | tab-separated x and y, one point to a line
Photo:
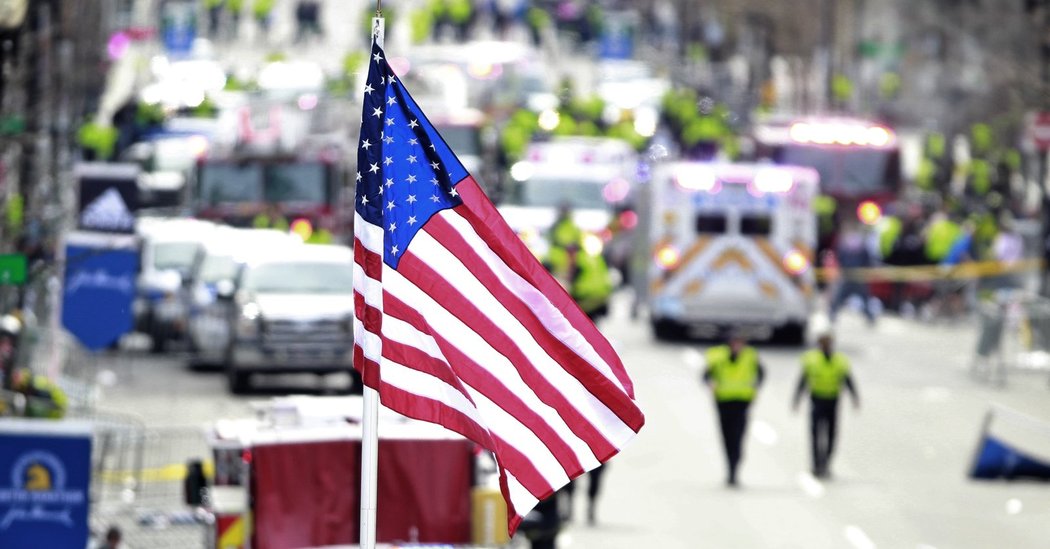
405	171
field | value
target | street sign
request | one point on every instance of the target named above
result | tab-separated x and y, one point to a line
45	475
99	287
12	269
109	196
178	26
1039	130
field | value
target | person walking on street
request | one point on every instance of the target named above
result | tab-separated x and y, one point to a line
594	486
734	374
853	251
824	373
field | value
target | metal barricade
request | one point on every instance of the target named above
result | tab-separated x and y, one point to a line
137	482
1014	336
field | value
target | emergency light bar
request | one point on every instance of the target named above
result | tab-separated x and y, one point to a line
840	133
772	181
696	178
766	180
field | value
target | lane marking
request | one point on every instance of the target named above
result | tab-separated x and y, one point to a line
857	538
764	433
810	485
1014	506
693	359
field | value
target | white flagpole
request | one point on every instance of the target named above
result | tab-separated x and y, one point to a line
370	414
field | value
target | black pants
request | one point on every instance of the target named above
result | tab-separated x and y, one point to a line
823	413
732	416
594	486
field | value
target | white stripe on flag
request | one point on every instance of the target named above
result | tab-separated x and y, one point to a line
369	288
534	299
370	235
520	498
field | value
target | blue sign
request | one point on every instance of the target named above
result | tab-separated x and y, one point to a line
178	26
997	459
44	481
99	293
616	40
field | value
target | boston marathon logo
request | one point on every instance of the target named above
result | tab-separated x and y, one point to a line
37	492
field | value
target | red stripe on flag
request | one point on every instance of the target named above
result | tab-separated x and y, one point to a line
427	409
369	369
371	262
489	224
607	392
474	375
448	297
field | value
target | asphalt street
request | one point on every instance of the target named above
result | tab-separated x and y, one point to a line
899	474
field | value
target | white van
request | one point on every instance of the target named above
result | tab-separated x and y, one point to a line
730	245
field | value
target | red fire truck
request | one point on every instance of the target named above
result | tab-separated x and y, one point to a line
292	478
238	188
858	161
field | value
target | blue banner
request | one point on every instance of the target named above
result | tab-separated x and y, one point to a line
99	293
44	481
997	459
178	26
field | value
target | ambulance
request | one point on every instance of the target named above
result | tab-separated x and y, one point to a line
730	246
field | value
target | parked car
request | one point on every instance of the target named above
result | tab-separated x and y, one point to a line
292	312
214	271
169	247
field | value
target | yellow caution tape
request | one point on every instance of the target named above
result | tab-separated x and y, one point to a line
930	273
166	473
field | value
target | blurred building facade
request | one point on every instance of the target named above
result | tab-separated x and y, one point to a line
52	69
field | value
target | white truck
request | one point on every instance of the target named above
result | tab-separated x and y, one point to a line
729	246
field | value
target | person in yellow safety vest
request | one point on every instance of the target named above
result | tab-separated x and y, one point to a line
584	274
235	8
734	374
889	86
262	9
97	141
940	234
979	177
625	130
44	399
888	231
826	208
538	21
982	141
932	175
214	8
824	373
320	235
564	232
460	13
841	90
270	218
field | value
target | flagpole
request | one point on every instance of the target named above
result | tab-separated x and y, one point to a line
370	414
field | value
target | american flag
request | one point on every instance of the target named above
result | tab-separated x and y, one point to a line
456	322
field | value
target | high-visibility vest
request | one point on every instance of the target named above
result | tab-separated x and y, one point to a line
565	233
940	239
263	221
592	285
735	380
824	377
980	176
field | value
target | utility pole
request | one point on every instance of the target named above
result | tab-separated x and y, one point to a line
827	49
